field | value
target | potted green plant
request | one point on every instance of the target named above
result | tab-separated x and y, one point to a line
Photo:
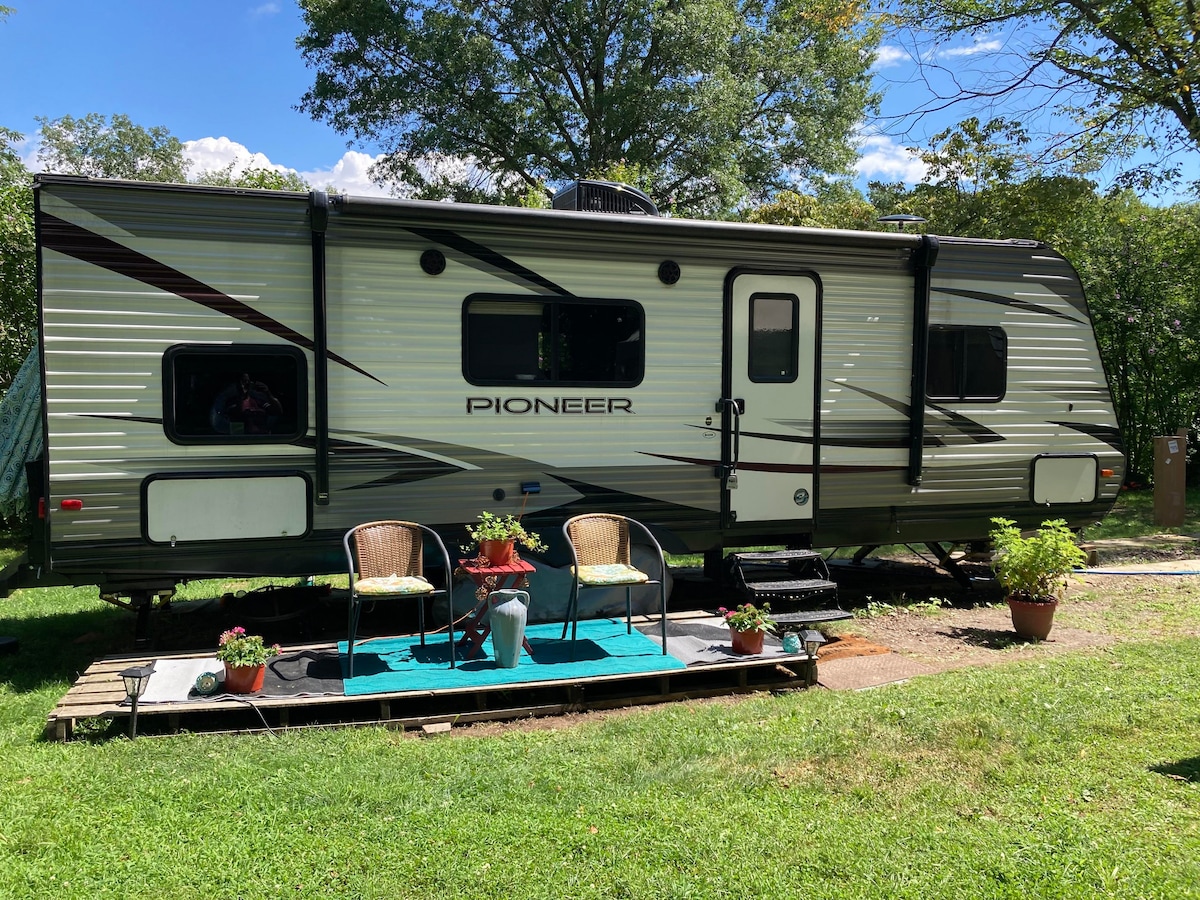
748	625
1034	571
497	535
245	657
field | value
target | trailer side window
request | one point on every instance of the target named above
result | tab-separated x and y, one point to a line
773	353
967	363
511	341
226	395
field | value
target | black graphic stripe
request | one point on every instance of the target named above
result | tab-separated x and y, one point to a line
1107	434
1011	302
978	433
744	466
511	269
87	246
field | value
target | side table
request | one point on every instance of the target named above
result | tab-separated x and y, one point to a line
476	627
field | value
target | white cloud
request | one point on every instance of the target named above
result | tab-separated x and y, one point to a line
989	46
27	149
883	159
888	56
348	175
210	154
266	9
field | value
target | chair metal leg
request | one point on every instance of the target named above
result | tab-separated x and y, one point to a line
450	627
628	609
662	599
572	617
574	598
421	616
351	629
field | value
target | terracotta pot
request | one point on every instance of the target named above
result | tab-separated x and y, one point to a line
1032	620
747	642
244	679
498	553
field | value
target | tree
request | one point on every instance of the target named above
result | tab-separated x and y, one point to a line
118	148
1123	71
979	182
837	205
257	177
1141	270
1140	265
715	101
18	313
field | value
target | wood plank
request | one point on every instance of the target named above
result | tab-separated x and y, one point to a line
99	693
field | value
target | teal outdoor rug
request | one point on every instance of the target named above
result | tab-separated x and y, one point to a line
392	665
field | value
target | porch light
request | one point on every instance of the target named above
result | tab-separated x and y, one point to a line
135	679
813	640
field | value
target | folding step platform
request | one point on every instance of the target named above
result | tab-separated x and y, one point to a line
796	578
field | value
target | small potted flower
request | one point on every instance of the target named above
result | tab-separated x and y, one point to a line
748	625
245	657
496	536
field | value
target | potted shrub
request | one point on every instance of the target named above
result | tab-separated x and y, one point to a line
497	535
748	625
245	657
1034	571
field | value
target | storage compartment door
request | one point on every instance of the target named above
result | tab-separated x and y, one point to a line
1065	479
226	508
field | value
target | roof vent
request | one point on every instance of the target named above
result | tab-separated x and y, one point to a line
604	197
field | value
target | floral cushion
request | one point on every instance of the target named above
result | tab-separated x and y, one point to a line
613	573
393	584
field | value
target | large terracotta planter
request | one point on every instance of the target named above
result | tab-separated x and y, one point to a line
498	553
244	679
747	642
1032	620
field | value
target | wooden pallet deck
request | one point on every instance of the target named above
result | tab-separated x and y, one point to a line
99	694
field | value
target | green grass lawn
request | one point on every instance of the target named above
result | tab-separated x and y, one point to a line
1133	516
1069	777
1073	776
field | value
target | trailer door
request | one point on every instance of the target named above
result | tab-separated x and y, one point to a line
769	416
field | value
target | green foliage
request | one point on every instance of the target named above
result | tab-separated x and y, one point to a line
748	617
980	183
837	205
238	648
116	148
256	177
18	261
492	527
1123	71
1141	268
1036	567
713	102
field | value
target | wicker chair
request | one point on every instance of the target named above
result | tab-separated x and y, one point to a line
385	560
599	545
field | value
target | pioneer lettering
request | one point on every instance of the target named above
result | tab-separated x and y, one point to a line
553	406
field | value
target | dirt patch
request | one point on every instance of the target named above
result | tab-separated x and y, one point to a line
953	638
848	644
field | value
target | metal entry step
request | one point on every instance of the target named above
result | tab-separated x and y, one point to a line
794	577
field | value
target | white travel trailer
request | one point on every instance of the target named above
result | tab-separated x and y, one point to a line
233	378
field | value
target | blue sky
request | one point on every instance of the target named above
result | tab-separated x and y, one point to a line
224	76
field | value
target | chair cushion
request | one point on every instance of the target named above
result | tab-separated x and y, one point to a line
393	584
612	573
